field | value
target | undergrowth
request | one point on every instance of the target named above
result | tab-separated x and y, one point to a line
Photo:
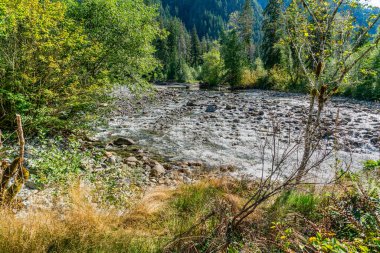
343	217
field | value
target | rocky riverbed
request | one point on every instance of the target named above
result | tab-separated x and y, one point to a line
231	128
179	136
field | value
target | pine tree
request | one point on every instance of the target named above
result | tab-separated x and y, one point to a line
204	46
272	33
233	55
246	21
195	50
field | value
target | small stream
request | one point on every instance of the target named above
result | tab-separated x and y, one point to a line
232	128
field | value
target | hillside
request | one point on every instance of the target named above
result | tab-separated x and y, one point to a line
209	17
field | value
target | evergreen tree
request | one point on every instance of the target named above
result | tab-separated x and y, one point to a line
204	46
246	21
174	51
195	50
233	55
271	28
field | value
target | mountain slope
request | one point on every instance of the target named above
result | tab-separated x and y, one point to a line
208	16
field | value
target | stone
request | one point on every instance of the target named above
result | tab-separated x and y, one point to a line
375	141
186	180
195	163
230	107
232	168
112	160
211	108
157	170
223	168
31	185
185	171
190	103
85	165
108	154
131	159
123	141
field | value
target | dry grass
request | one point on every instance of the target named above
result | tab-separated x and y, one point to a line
149	225
82	228
162	221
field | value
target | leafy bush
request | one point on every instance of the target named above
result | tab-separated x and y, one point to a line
371	165
62	55
212	69
279	78
254	78
366	79
56	162
124	31
44	69
347	221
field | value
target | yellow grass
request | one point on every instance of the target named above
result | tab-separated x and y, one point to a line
146	227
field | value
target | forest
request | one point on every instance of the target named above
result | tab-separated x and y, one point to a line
189	126
260	45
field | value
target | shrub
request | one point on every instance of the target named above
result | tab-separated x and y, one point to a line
44	71
62	56
254	78
212	69
56	162
279	79
371	165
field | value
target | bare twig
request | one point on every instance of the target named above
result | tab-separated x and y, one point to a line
21	139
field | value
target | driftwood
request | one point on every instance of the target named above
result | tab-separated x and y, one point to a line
13	175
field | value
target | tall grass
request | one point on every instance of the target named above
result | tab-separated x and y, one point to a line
195	218
146	227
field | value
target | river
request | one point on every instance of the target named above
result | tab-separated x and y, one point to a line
231	128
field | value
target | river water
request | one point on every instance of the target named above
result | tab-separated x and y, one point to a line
236	128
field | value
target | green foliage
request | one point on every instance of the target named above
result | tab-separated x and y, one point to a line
56	163
233	54
177	52
40	68
212	69
246	21
62	55
326	244
195	49
124	31
371	165
344	219
366	79
279	78
194	199
211	16
305	204
271	33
